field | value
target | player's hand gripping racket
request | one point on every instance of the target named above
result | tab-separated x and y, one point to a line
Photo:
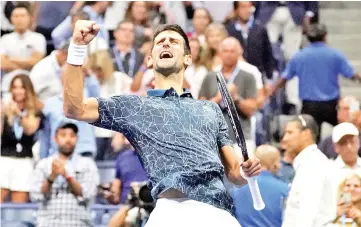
258	203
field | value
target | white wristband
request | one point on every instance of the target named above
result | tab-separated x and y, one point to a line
76	54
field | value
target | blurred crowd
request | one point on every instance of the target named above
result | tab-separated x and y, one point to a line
275	59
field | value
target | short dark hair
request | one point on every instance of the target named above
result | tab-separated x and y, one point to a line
236	4
306	121
316	33
24	5
175	28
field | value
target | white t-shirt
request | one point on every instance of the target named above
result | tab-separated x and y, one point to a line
46	77
22	45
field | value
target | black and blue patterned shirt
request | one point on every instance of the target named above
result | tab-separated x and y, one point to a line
178	140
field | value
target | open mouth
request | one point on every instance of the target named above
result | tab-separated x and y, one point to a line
165	55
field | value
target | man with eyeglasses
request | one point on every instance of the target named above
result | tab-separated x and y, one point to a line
309	202
346	112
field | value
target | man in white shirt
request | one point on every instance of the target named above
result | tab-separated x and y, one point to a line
23	48
309	203
345	137
46	74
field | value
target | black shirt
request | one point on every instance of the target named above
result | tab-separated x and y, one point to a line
9	141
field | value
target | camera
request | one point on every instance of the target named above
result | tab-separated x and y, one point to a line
140	196
141	204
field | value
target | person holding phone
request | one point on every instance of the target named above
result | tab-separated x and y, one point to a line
349	205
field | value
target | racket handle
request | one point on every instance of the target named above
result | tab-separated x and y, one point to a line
258	203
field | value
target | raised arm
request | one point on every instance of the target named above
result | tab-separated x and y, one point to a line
75	105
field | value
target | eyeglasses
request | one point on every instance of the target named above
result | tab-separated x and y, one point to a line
303	121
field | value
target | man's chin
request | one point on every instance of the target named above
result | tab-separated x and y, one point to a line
166	69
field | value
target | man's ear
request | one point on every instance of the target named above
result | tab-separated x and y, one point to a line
149	62
337	149
187	60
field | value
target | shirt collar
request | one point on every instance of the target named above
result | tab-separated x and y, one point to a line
169	92
23	35
341	164
303	155
317	44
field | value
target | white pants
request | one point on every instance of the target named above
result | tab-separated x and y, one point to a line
189	213
281	22
15	173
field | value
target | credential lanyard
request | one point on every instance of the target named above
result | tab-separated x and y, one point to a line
119	61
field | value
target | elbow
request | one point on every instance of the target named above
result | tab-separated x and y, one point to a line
72	113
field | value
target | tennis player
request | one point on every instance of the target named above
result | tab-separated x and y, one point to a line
183	143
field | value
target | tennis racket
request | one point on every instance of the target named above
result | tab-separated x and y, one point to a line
258	203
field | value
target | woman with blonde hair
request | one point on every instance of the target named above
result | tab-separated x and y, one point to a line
349	202
111	83
20	121
215	34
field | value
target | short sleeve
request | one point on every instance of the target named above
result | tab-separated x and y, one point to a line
290	70
40	44
345	67
117	112
223	136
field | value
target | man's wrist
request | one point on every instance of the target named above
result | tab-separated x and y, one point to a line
76	53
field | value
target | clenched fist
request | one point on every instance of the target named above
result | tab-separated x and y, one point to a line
84	32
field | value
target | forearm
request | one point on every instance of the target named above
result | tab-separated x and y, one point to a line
46	187
73	91
248	107
26	63
357	78
118	219
217	98
232	165
75	186
8	65
137	81
280	84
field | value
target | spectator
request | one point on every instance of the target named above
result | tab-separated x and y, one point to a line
272	189
112	83
215	34
95	11
286	19
286	173
345	137
137	12
317	67
309	202
242	87
346	107
20	121
54	114
23	48
196	72
201	19
44	20
128	169
349	205
46	74
253	38
64	184
126	56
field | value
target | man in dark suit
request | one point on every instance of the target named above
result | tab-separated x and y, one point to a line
125	56
253	38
